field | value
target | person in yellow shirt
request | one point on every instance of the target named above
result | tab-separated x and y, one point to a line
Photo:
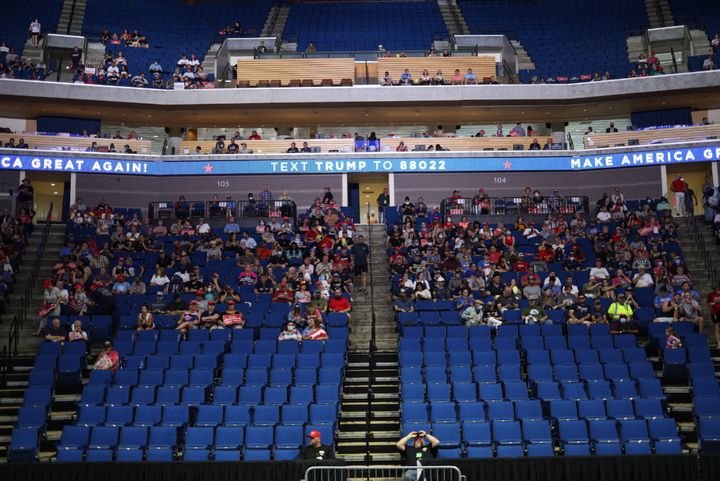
620	314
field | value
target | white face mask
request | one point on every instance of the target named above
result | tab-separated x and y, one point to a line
291	328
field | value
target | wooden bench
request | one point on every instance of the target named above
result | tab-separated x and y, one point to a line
483	67
59	142
298	72
643	137
456	144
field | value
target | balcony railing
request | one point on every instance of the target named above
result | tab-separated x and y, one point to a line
240	209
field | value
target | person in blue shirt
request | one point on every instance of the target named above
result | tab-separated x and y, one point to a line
403	303
406	78
121	286
470	77
519	129
231	227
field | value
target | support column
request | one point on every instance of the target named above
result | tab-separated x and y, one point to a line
344	190
558	132
663	179
714	169
73	188
391	187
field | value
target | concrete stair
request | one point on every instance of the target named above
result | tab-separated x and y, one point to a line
453	17
209	63
27	343
699	42
276	20
95	54
525	62
635	46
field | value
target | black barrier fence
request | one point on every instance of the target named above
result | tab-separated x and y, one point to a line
512	205
240	209
686	467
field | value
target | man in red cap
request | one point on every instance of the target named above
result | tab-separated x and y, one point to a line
316	450
231	318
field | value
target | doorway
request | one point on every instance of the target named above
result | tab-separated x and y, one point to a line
50	187
695	175
370	186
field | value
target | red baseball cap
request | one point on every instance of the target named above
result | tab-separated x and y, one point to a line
314	434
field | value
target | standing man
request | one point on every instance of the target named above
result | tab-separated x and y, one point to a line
25	195
418	452
679	187
360	254
316	450
383	201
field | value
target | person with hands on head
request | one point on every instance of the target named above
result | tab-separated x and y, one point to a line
417	452
316	450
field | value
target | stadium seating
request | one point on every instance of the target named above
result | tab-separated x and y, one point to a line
556	46
342	26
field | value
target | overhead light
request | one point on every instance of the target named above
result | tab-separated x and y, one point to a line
52	185
55	193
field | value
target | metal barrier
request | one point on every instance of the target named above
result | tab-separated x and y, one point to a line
385	473
240	209
513	205
13	336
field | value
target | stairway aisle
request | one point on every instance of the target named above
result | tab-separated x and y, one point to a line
370	406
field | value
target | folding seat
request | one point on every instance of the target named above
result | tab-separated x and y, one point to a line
620	409
92	395
288	440
69	370
119	415
206	362
622	341
706	407
537	437
592	409
301	395
577	330
167	395
532	343
701	371
604	435
415	412
435	358
443	412
411	375
457	332
674	364
237	416
548	391
147	416
175	416
283	361
146	348
410	359
573	436
485	358
169	335
158	362
147	336
515	390
490	392
275	396
529	330
451	433
258	440
511	318
435	374
574	390
295	415
565	372
256	377
117	395
563	409
471	412
330	394
465	392
478	440
209	416
134	362
591	372
162	443
224	335
562	357
460	374
480	343
509	372
99	377
309	376
616	371
407	319
541	357
649	408
266	415
438	392
642	370
91	416
505	344
664	435
241	347
132	443
701	388
586	356
409	344
249	394
551	330
635	436
540	373
228	443
73	442
509	357
23	445
259	360
501	411
555	343
193	396
103	440
528	410
327	359
323	414
199	442
625	389
507	437
225	395
599	390
150	378
634	354
709	435
32	417
460	358
578	341
434	332
176	377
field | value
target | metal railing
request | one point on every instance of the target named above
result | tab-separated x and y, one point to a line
513	205
26	299
707	259
240	209
13	336
372	347
5	366
386	473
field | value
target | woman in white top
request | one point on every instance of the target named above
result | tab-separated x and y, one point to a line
159	278
35	28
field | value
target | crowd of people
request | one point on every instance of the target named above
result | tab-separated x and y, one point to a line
129	39
465	262
13	66
425	78
313	267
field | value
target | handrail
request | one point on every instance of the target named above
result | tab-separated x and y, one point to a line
4	366
372	345
13	337
34	270
240	209
674	60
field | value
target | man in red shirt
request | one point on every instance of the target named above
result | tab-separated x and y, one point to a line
679	187
283	293
339	303
713	300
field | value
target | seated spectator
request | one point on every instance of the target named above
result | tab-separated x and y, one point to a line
231	318
138	286
293	149
406	78
189	319
339	303
534	313
145	319
473	315
439	79
620	314
108	359
579	313
470	77
314	331
210	317
425	78
401	147
535	145
244	149
290	333
671	340
305	149
690	310
139	80
518	131
709	64
121	286
386	80
457	78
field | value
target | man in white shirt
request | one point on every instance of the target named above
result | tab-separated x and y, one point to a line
202	227
193	63
642	279
599	273
247	242
604	215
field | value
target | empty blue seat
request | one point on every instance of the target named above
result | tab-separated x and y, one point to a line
508	438
604	435
228	443
237	416
635	436
478	439
162	443
664	435
574	437
537	437
23	445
